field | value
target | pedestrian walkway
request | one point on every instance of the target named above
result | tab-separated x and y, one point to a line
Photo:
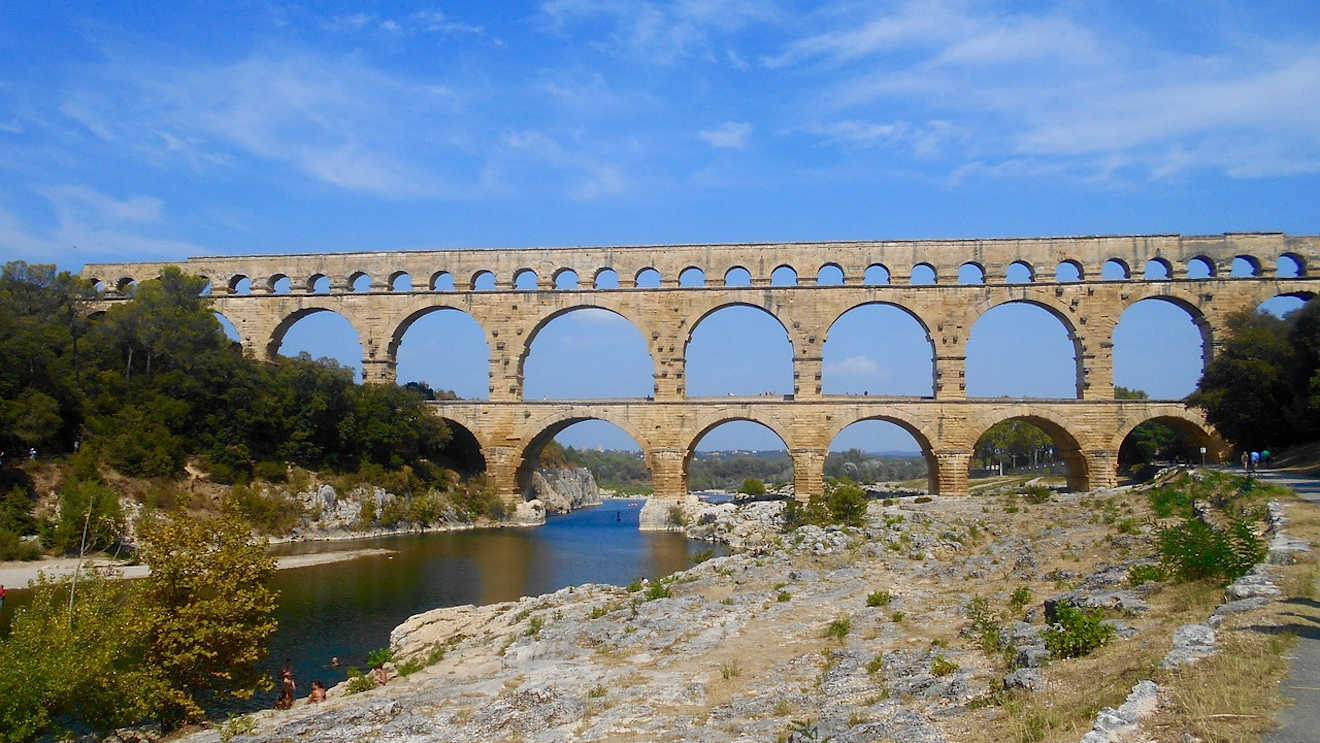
1300	723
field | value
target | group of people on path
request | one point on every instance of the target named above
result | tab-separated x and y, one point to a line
288	687
1254	460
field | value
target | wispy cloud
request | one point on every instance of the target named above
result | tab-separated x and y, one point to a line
731	135
853	366
1047	86
662	32
339	121
92	226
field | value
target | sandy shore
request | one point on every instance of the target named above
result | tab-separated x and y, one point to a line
15	575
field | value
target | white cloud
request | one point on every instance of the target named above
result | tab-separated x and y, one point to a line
729	135
662	32
103	208
1049	87
81	236
853	366
435	21
339	121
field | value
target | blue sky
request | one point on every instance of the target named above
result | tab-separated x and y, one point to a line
146	131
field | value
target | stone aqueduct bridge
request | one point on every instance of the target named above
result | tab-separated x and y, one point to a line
511	431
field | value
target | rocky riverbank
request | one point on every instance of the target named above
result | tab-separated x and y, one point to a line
850	634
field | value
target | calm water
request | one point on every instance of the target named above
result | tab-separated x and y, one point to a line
348	608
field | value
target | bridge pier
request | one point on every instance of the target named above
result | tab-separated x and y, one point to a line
950	471
378	371
668	478
808	472
1101	470
502	471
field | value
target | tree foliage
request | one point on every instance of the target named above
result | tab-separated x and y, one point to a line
119	652
210	609
1262	388
153	381
1011	440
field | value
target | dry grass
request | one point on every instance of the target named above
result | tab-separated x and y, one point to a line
1228	697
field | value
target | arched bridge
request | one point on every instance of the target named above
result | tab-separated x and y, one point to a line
1085	282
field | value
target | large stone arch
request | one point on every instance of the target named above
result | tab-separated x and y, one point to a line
288	321
401	329
710	424
464	442
1183	420
1183	302
835	314
596	304
544	430
1071	448
431	305
1056	309
922	437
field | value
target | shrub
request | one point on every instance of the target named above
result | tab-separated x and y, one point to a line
942	667
411	666
1077	632
358	683
657	590
1195	550
535	626
269	511
922	499
236	726
703	555
1170	501
984	624
379	657
729	670
897	616
752	486
597	612
596	691
271	471
1037	494
635	586
1020	598
878	598
875	664
677	517
1138	574
839	628
783	596
13	547
847	504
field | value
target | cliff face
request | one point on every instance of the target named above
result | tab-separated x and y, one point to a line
563	490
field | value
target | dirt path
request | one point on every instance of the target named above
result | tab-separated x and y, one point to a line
1301	722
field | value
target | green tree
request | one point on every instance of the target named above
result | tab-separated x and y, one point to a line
752	486
1252	391
210	609
90	518
77	663
41	321
1013	439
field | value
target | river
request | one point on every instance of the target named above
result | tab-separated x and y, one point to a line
348	608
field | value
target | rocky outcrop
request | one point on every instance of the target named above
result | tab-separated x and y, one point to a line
563	489
329	514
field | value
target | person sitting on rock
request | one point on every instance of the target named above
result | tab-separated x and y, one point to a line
318	693
380	675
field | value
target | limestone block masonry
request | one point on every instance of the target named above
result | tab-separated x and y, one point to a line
383	293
